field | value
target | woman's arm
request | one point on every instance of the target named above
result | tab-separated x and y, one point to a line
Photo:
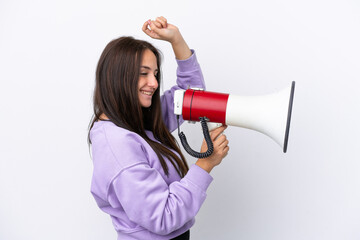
188	75
188	71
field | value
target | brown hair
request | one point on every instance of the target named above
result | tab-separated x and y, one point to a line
116	95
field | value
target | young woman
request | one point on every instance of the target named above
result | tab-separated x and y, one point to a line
141	178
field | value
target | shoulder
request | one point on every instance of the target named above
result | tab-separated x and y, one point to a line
126	147
113	133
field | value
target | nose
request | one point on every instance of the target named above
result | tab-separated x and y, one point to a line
153	82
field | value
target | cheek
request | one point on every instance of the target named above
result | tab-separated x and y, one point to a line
141	83
157	83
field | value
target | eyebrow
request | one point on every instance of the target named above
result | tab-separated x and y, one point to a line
146	67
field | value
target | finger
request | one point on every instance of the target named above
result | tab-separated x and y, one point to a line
216	132
154	26
162	20
150	33
145	25
220	128
146	29
220	140
147	32
224	144
226	150
152	30
162	23
157	24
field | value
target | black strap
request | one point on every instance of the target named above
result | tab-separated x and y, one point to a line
184	236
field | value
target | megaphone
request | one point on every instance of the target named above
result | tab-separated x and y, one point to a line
269	114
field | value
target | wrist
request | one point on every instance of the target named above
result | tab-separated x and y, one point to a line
177	39
204	165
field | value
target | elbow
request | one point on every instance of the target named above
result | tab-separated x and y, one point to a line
159	226
165	230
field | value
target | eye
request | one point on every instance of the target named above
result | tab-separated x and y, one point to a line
143	74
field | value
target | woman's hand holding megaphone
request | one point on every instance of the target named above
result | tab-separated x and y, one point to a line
221	149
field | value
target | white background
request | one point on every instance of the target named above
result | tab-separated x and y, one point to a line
48	55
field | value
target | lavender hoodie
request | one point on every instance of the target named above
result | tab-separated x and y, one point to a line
129	183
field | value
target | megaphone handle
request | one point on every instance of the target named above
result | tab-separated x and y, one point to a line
208	141
212	126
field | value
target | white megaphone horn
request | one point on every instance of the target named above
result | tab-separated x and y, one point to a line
269	114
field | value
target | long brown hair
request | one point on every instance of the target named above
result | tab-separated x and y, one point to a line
116	95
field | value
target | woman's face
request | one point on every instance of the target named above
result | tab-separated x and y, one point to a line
148	83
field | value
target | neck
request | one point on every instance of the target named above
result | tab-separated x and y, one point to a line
103	117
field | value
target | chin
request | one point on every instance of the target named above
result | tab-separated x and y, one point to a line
146	105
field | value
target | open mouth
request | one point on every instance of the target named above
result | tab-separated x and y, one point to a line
147	93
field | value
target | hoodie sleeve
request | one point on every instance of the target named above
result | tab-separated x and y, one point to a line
188	75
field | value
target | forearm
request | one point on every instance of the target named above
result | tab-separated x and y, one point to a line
180	48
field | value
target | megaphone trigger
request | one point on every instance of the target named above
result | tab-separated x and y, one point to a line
212	126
